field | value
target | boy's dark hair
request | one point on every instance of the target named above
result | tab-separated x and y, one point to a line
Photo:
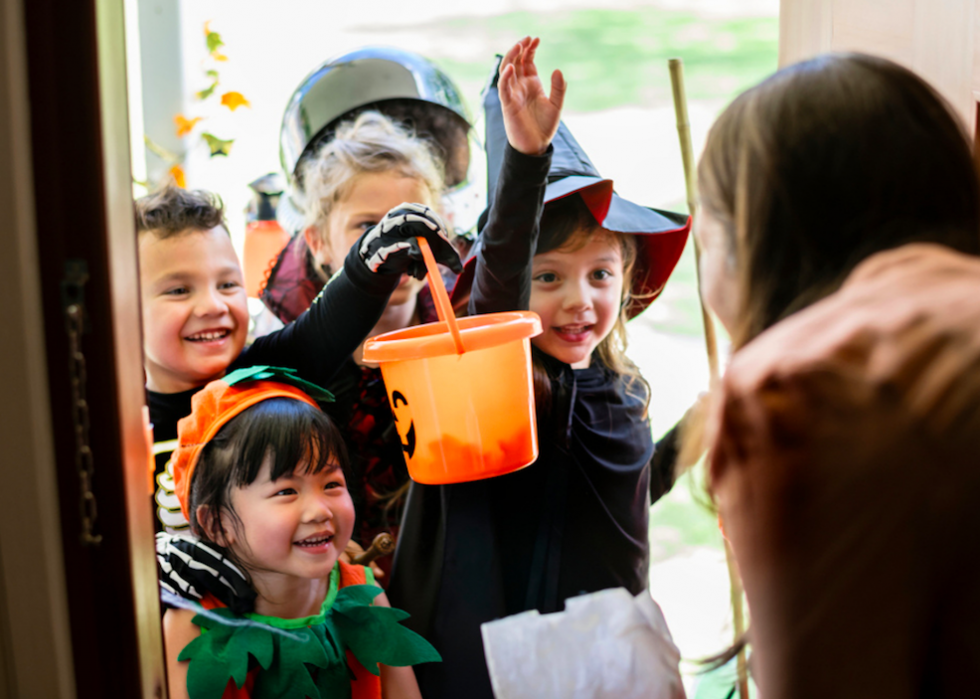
171	210
289	431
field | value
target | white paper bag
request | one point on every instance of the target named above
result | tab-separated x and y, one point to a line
606	644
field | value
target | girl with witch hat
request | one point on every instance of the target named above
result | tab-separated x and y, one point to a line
560	242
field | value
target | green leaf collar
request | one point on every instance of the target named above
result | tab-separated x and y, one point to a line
301	657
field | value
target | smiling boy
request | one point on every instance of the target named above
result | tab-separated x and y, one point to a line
195	316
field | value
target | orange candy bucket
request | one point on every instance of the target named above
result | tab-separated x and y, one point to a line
461	390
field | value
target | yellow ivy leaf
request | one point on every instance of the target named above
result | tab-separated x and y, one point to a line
218	146
234	100
184	125
218	56
180	179
212	39
208	91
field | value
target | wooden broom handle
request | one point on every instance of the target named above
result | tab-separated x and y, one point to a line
383	544
676	68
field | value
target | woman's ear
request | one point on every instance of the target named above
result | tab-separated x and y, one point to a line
318	247
212	526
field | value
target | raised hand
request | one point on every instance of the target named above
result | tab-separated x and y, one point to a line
530	116
391	248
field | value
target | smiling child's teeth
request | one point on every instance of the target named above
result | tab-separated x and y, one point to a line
314	542
209	336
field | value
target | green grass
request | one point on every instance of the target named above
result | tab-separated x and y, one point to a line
615	58
681	298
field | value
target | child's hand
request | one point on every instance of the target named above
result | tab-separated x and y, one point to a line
391	248
190	568
530	116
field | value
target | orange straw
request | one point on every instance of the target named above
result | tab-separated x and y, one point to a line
443	307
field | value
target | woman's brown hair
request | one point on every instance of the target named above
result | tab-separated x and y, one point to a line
819	167
822	165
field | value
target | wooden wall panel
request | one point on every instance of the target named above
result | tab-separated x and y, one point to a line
805	29
942	50
881	27
935	38
976	49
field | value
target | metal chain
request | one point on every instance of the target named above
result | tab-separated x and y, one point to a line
88	507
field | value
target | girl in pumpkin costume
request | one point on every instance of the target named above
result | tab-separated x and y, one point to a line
261	476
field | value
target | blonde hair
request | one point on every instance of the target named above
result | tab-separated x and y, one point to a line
370	143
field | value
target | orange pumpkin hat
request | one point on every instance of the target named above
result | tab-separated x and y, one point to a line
217	403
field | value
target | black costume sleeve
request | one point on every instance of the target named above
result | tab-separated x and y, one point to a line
663	465
502	281
337	321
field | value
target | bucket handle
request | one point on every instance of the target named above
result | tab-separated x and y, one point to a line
444	308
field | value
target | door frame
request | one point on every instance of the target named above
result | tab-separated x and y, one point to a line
90	612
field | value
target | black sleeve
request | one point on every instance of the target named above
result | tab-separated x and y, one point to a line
502	281
338	320
663	465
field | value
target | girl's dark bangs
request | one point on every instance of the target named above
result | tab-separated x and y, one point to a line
566	221
271	428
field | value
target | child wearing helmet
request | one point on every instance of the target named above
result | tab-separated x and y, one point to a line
423	110
361	134
559	242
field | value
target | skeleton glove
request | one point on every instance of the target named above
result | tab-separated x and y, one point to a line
391	246
190	568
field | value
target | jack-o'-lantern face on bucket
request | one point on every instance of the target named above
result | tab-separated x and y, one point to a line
403	422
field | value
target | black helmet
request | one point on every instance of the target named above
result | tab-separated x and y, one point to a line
397	83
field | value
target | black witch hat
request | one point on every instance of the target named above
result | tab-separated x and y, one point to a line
661	235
